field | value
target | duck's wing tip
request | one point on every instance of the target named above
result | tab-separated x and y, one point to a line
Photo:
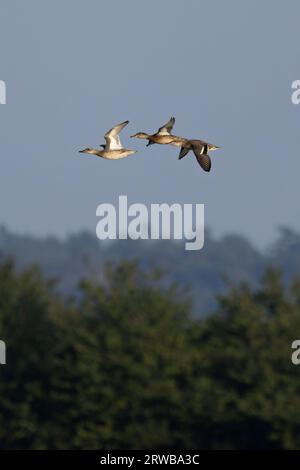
183	152
167	128
116	129
204	161
120	126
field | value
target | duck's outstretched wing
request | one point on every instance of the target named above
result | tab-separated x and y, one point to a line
204	161
202	158
167	128
183	152
112	138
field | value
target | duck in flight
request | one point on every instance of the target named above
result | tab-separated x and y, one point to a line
200	149
112	149
163	136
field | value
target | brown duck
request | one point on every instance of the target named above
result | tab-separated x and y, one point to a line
163	136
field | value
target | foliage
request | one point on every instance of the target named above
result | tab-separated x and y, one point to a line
127	366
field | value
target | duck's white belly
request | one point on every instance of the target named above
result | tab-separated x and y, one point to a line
117	154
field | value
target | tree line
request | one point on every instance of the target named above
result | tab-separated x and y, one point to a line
125	365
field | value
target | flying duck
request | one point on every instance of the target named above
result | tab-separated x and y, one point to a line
163	136
113	149
200	149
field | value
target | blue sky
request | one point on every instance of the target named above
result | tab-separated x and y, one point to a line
224	69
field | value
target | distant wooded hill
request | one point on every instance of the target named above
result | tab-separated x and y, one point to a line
202	274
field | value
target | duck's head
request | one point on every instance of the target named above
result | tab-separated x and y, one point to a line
141	135
87	150
213	147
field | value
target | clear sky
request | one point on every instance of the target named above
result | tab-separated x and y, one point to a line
75	68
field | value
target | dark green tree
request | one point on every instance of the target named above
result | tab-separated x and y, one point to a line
127	367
